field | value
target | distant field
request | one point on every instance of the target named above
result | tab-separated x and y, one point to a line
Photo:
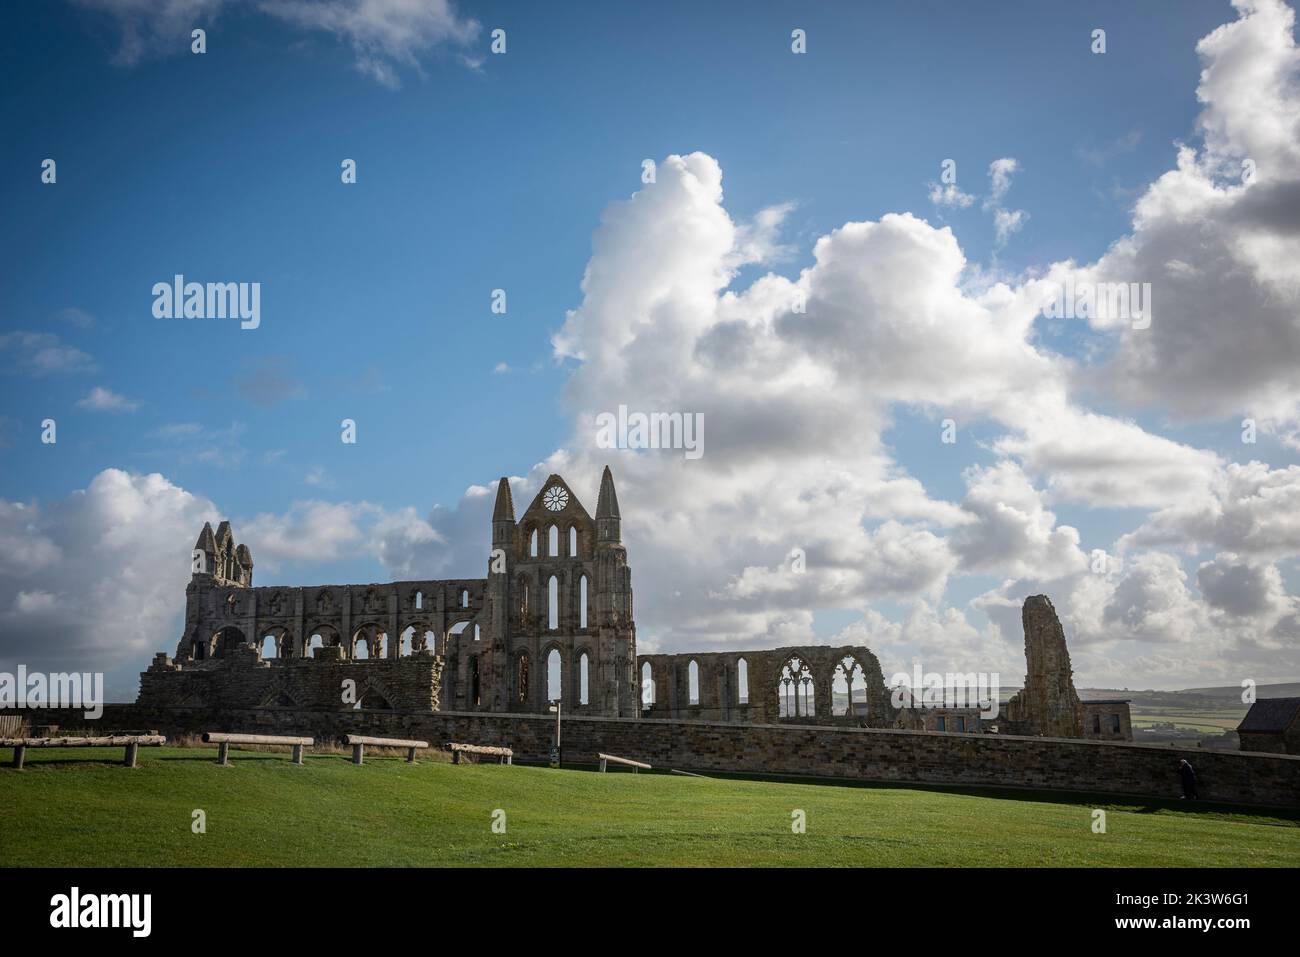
1208	719
75	808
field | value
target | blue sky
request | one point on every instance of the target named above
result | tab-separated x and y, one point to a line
480	171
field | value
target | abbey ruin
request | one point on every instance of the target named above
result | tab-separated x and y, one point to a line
551	624
557	597
557	583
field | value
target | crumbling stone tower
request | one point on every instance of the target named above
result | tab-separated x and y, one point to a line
1048	705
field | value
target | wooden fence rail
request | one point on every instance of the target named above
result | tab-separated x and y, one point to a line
506	755
359	742
223	742
634	765
132	743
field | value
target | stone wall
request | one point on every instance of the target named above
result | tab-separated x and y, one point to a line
1274	742
830	752
243	679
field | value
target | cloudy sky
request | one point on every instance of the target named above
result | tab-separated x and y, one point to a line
845	257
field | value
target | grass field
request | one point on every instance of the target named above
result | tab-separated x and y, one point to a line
76	808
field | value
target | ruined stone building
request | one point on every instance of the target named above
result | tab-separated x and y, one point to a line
796	684
558	585
557	596
845	685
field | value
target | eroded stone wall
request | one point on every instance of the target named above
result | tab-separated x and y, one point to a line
726	691
328	682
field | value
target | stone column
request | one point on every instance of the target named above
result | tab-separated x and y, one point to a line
394	639
299	614
345	638
824	694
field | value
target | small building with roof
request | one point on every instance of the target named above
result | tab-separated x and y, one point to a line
1272	725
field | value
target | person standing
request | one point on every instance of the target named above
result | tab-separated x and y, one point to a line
1188	774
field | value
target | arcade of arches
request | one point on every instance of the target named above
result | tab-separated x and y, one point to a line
816	683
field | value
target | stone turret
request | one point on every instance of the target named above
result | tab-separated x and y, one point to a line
503	516
207	547
222	559
608	520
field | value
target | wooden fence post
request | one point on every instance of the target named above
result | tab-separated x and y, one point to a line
358	753
19	752
131	750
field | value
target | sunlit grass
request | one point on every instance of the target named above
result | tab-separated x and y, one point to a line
76	808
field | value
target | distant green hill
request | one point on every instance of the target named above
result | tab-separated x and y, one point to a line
1288	690
74	808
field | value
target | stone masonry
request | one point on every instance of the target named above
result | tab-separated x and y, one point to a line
558	589
558	584
772	749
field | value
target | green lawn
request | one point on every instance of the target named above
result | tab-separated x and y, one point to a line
74	807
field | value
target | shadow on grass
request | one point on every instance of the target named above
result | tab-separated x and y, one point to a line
1133	803
30	765
241	757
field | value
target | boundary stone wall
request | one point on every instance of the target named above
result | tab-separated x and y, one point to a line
833	752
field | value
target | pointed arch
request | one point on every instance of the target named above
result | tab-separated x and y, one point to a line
742	681
573	541
584	679
280	696
373	698
369	641
582	602
554	675
320	636
226	641
795	689
848	688
553	603
277	642
553	542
